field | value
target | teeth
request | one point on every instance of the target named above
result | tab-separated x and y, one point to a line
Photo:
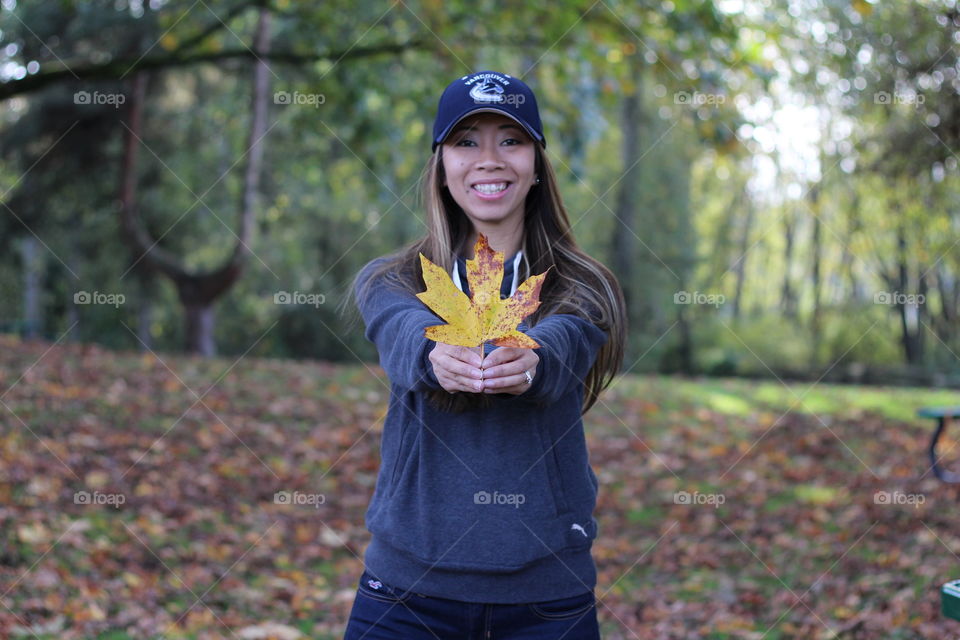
490	188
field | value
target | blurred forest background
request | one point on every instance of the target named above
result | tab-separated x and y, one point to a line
774	183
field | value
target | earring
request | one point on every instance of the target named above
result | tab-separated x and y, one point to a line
538	180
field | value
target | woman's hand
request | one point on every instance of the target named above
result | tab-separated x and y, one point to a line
457	368
503	370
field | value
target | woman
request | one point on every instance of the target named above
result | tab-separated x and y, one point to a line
481	519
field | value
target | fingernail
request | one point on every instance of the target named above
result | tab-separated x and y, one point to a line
479	386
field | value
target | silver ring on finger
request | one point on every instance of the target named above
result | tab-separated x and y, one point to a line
529	377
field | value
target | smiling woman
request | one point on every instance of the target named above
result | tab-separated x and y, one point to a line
482	516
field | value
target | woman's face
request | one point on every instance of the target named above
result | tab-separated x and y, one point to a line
488	160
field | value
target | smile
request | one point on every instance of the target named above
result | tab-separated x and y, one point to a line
490	189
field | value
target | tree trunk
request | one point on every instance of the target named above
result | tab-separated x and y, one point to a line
948	289
623	241
740	270
147	294
853	227
32	269
923	296
199	328
788	299
816	241
909	326
685	348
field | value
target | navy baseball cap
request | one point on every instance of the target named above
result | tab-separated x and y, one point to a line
487	91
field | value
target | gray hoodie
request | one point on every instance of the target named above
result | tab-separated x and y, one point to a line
492	505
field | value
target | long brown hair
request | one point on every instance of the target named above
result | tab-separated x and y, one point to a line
576	283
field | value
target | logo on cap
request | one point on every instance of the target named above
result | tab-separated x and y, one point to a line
488	91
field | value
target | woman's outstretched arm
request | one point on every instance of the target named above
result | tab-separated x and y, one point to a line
394	322
568	348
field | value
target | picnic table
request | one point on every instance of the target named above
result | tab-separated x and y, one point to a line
950	600
943	415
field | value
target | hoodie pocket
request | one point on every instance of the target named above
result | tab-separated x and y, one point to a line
406	449
564	608
549	458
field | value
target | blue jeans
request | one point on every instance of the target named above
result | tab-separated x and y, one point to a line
382	612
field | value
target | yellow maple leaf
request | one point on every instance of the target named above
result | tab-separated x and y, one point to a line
482	317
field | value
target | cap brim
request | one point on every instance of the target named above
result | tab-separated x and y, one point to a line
443	134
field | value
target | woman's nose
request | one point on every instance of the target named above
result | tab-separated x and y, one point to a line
490	157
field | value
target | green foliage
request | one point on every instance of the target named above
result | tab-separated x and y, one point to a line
339	184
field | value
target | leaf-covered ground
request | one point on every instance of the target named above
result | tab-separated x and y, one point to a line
811	512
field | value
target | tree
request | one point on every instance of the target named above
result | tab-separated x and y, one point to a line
199	291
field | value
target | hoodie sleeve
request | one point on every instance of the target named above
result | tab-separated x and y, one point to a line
568	348
394	322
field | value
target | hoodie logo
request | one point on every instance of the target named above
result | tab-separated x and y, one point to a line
487	91
375	584
579	528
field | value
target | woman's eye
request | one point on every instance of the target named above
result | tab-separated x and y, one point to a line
511	141
464	143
